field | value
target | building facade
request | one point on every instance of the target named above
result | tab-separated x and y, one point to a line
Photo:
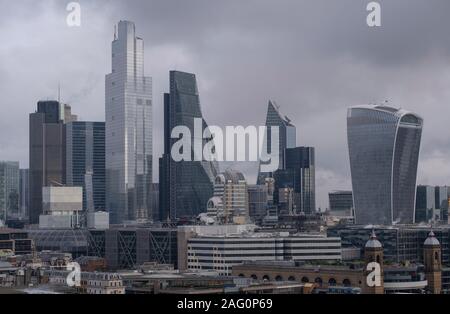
297	180
85	162
9	189
341	203
185	186
287	134
384	145
128	105
230	200
24	193
47	151
221	253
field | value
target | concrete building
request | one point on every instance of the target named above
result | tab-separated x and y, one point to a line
222	253
61	207
230	201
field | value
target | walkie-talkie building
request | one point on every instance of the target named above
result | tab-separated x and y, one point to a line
384	145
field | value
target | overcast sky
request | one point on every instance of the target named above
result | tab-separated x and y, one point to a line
315	58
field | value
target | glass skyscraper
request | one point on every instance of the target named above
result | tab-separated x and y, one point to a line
287	137
128	103
185	186
299	176
384	145
85	159
9	189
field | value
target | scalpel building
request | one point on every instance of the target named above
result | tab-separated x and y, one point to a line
384	145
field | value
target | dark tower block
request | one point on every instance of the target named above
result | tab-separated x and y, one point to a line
433	265
373	272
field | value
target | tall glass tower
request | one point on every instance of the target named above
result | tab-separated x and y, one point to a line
287	138
128	104
384	145
185	186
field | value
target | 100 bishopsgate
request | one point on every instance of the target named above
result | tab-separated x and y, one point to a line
384	144
128	113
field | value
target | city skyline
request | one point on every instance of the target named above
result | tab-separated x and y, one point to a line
361	73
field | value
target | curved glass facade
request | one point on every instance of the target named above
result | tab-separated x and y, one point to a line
384	145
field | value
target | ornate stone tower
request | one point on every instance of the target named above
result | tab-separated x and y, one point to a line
373	256
432	262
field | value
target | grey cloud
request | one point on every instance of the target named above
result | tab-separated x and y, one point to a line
316	58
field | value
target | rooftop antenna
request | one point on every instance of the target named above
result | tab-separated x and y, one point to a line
59	92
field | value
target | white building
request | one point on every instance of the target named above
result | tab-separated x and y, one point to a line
230	201
221	252
61	207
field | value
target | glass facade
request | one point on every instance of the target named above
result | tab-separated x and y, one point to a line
47	151
128	104
384	145
298	175
287	137
341	203
9	189
185	186
85	155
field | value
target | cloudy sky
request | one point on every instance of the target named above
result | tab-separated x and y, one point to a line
315	58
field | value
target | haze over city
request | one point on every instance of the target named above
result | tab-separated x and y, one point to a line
315	59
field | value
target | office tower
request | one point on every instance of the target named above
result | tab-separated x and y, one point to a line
47	151
341	203
258	198
9	190
85	161
24	193
185	186
230	201
298	176
441	199
287	134
384	145
128	129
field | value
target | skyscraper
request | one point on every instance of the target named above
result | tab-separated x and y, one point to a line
24	193
9	189
287	135
341	203
128	103
47	151
299	178
85	161
185	186
384	145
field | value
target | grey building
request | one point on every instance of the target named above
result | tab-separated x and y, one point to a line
287	136
47	151
384	145
341	203
9	189
24	193
298	178
185	186
85	161
257	202
400	243
128	248
128	105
